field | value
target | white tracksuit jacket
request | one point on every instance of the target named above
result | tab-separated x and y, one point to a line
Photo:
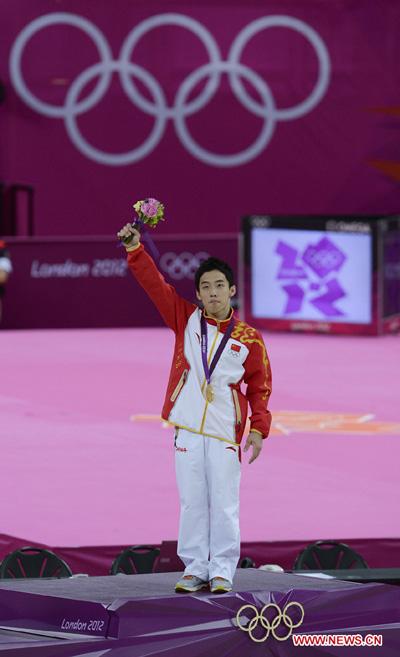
244	360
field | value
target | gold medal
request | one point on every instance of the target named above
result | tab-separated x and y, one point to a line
209	393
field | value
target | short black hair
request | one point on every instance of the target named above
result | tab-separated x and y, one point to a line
210	265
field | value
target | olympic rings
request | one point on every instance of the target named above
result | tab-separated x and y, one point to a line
18	49
114	158
323	59
270	626
183	265
182	107
226	160
324	259
194	26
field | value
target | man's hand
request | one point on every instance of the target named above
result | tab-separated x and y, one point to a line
256	440
129	235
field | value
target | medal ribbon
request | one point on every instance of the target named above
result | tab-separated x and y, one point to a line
204	343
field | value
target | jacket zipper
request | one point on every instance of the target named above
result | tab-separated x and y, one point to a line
179	386
237	408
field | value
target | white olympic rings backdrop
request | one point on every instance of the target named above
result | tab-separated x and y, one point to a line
127	70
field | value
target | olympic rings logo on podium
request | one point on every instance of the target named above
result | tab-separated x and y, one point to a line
182	108
270	625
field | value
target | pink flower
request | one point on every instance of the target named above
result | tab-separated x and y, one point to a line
150	208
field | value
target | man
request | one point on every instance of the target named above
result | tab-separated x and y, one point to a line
5	269
214	354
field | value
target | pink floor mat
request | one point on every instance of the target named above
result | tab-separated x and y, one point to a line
86	460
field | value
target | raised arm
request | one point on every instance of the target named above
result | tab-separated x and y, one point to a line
173	308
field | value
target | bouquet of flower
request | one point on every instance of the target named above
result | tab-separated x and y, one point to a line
150	211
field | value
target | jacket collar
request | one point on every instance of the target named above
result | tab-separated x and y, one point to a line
222	323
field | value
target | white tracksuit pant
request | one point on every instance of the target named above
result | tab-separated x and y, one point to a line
208	475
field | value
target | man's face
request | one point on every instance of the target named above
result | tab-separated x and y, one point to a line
215	294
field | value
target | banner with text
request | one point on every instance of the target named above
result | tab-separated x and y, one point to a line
87	283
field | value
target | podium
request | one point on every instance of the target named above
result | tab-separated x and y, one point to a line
327	274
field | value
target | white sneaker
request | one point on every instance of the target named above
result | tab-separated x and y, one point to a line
220	585
191	584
